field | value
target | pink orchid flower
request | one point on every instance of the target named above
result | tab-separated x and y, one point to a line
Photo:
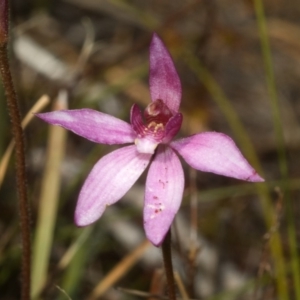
152	133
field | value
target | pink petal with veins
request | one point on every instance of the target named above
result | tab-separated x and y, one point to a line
172	127
136	120
111	177
164	80
164	189
92	125
217	153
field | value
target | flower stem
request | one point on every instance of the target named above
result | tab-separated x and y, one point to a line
166	251
17	132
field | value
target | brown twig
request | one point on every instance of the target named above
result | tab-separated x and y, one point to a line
17	132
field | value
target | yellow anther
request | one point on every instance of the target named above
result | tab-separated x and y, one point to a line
153	126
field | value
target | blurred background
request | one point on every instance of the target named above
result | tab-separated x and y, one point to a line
231	239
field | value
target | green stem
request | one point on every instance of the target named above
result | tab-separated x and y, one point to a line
167	256
17	132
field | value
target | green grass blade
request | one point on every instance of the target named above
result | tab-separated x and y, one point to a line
266	52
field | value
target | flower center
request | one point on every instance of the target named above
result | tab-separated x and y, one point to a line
157	112
156	116
151	132
155	127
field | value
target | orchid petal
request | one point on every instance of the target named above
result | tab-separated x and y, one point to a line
110	179
92	125
164	80
164	190
217	153
172	127
136	120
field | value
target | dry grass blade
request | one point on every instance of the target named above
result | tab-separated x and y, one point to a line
119	270
146	295
63	292
142	294
48	201
37	107
73	249
180	286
